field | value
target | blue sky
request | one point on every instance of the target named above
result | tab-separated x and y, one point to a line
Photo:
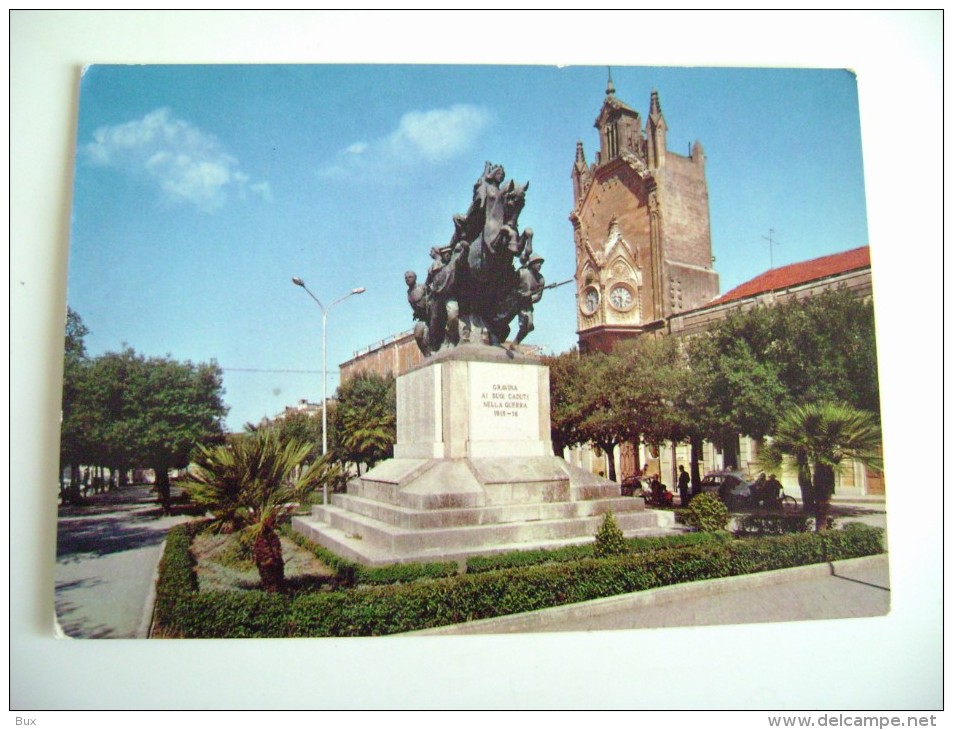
200	191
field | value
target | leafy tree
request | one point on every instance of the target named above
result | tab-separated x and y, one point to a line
758	364
253	482
603	419
76	423
76	333
177	405
364	420
303	427
818	437
737	391
122	409
565	398
628	394
655	390
108	404
817	349
824	348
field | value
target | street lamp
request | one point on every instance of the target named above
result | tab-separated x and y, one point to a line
298	281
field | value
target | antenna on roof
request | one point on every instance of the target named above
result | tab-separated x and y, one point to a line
771	244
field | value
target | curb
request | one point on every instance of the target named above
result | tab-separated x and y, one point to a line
144	630
535	620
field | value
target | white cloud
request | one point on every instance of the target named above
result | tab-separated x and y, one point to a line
421	137
186	163
438	134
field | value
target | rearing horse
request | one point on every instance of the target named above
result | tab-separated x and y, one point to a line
490	274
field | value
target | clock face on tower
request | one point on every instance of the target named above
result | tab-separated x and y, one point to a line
621	297
590	301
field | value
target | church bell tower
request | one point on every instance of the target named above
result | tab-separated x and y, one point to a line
640	225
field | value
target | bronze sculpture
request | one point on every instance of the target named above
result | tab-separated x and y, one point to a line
473	280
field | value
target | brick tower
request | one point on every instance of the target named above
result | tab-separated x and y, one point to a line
641	227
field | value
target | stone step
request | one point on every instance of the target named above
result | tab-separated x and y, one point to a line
402	540
359	550
429	519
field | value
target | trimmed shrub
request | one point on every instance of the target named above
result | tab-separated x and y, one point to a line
609	539
516	559
176	581
378	610
706	513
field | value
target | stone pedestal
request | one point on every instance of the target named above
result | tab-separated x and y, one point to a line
473	472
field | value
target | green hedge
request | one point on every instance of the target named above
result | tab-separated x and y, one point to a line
177	581
503	561
374	611
347	573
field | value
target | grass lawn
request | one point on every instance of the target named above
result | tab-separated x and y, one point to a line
223	565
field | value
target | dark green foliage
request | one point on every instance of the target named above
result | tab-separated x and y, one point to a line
609	539
524	558
566	405
569	553
610	398
302	427
176	583
374	611
706	513
817	438
252	484
758	363
363	423
737	387
124	410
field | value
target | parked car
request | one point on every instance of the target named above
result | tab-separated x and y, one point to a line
732	487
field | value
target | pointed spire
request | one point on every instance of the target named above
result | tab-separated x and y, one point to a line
655	109
610	87
580	155
698	152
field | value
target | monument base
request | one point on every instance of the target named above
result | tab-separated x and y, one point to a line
474	473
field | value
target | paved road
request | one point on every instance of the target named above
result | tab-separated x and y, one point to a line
106	558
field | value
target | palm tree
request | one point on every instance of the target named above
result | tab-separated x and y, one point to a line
818	437
251	483
368	435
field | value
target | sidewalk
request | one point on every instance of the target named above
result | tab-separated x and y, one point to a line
107	554
844	589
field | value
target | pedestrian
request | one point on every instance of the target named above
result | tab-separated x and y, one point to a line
757	490
657	489
772	492
683	483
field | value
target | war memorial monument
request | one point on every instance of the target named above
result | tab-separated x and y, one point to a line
473	469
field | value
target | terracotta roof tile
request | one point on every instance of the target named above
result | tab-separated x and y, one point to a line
800	273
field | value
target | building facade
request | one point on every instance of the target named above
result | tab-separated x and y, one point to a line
644	266
396	355
641	227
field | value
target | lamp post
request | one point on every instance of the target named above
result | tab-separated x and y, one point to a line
298	281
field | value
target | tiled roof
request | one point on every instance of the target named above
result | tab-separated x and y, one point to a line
801	273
